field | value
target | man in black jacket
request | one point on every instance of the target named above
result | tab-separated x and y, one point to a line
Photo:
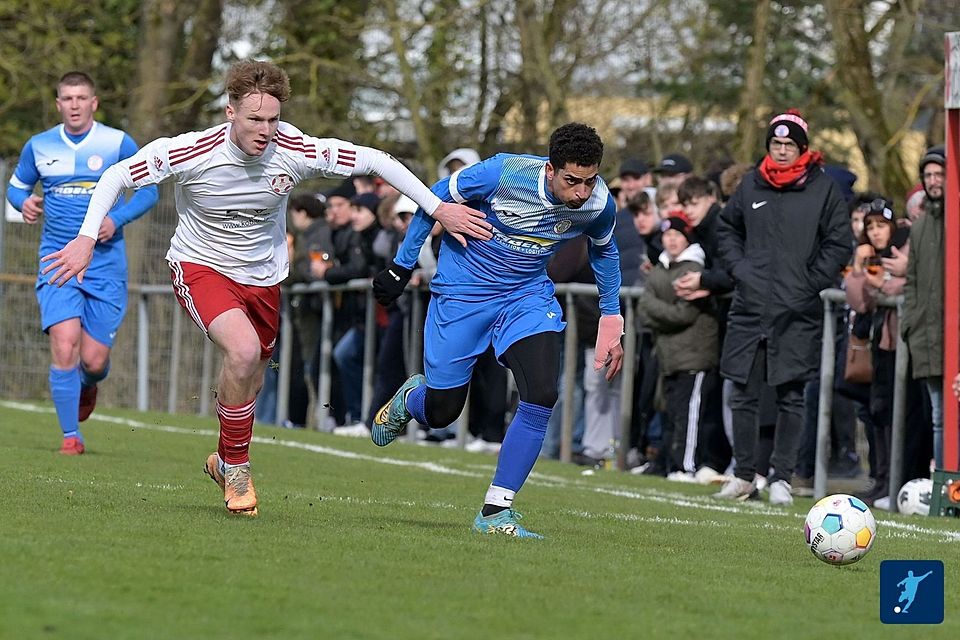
784	236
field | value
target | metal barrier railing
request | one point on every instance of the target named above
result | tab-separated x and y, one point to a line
832	297
414	333
833	301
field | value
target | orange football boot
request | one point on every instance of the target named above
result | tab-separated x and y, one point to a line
72	446
239	495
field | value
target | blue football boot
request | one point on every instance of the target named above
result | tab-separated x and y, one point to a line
503	523
393	416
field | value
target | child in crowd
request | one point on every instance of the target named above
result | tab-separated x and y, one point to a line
687	344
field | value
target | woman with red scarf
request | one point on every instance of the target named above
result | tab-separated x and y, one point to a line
784	236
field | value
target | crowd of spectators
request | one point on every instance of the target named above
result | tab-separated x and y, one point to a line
731	263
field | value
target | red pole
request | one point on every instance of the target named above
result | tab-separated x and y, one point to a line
951	306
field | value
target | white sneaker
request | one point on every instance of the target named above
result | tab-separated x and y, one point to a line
882	503
737	489
479	445
706	475
780	493
761	482
475	445
355	430
681	476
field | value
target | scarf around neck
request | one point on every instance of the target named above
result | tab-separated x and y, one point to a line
782	176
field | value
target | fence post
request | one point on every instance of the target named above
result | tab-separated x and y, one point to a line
174	375
463	422
286	356
206	375
825	413
570	358
143	353
415	359
901	361
626	383
369	355
416	333
322	410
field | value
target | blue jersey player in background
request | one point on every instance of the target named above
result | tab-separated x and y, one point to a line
497	292
81	319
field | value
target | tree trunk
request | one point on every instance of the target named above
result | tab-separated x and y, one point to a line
193	87
752	95
410	93
160	34
538	74
859	91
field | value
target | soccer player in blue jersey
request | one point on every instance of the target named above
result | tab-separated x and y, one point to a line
81	319
497	292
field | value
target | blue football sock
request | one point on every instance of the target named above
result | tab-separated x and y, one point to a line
416	403
521	445
65	391
88	379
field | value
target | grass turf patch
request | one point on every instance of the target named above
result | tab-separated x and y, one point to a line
131	540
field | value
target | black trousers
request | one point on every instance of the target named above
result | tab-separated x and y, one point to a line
488	398
687	395
745	404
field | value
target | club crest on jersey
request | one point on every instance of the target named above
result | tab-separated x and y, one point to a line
94	163
562	226
282	184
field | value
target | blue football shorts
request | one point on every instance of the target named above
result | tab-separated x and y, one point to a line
100	305
460	328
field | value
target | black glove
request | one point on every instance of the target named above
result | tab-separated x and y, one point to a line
388	285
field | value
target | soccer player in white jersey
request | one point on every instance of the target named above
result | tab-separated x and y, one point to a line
498	293
229	253
81	319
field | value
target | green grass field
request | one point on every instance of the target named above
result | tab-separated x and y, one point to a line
132	541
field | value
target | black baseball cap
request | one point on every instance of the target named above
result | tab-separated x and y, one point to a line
674	163
343	190
634	167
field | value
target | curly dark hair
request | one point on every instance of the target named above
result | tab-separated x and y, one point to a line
575	143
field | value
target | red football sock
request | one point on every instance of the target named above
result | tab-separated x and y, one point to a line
236	429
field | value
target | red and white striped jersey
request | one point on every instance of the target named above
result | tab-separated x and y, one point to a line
231	206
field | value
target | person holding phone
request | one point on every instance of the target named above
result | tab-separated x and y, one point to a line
866	280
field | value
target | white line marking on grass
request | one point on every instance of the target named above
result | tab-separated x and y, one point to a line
106	483
705	503
907	526
293	444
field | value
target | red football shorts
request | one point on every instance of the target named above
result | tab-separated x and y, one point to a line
205	294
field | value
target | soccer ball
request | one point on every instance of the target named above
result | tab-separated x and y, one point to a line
840	529
914	497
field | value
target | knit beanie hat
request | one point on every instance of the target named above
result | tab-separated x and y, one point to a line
366	200
789	125
678	221
936	155
881	208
